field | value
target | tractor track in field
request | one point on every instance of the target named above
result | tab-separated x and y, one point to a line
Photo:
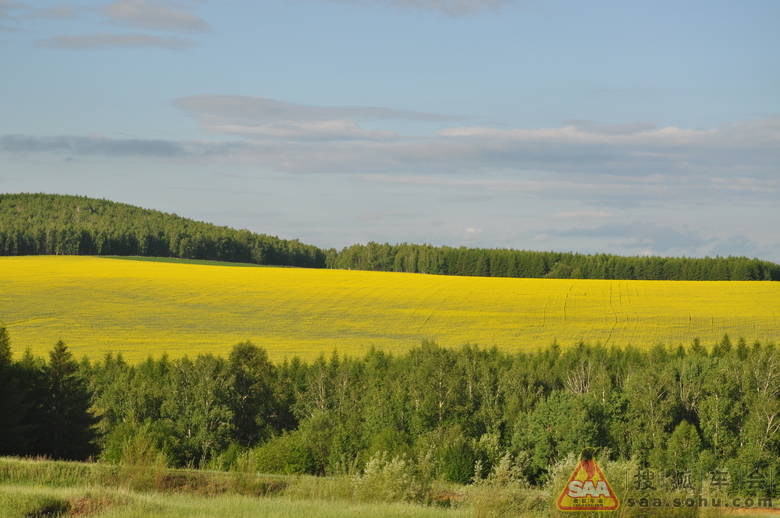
566	300
614	314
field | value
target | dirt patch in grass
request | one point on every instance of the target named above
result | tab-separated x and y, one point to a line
446	498
203	484
89	506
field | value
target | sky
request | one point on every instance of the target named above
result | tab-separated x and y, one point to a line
632	128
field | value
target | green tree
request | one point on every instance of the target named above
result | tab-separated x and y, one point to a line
683	449
254	406
198	406
5	348
67	429
436	387
13	406
652	410
560	424
721	411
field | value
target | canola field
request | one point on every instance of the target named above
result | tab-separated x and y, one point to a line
141	308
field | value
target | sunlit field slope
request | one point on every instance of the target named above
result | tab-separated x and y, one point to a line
100	305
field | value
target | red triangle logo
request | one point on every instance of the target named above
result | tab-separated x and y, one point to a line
587	489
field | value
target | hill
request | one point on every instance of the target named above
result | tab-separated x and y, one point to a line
142	308
47	224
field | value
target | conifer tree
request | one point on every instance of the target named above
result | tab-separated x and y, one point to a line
12	403
67	428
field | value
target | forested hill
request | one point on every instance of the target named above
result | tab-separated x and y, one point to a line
520	263
46	224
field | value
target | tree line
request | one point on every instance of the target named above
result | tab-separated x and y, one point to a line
44	224
459	411
499	262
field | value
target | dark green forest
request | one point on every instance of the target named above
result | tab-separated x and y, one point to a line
45	224
499	262
48	224
459	412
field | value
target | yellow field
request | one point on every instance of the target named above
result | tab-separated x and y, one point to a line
139	308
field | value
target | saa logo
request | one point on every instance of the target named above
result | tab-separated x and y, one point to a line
588	489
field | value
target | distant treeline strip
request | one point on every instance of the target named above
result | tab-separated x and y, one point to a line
46	224
519	263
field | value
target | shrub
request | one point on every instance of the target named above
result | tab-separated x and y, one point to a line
505	491
143	464
287	454
394	479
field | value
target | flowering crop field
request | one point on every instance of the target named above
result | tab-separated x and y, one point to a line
141	308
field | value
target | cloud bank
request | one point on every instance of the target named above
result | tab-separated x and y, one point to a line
258	117
160	16
147	15
87	146
618	166
743	157
7	5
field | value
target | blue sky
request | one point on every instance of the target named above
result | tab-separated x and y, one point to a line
645	127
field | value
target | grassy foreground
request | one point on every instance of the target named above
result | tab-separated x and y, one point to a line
142	308
25	501
61	489
48	488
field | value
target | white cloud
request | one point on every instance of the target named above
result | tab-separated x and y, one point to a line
750	147
579	215
573	135
736	160
7	5
731	162
579	147
107	39
609	165
611	129
242	109
449	7
757	133
150	14
259	117
315	130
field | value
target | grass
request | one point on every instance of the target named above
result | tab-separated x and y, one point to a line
26	501
54	488
36	488
142	308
